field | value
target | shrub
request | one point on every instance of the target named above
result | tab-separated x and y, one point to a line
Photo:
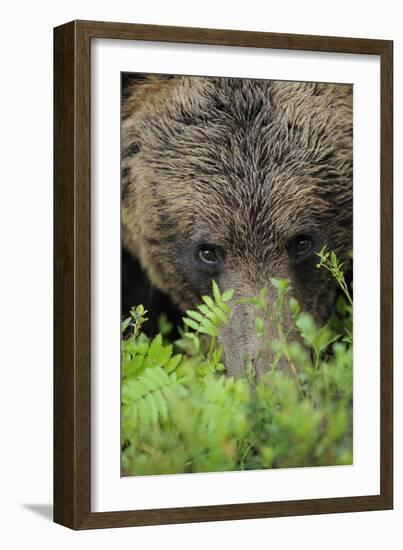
181	413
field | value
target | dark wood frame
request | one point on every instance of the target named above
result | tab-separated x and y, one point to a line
72	214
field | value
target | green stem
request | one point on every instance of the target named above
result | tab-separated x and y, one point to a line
211	348
244	455
290	362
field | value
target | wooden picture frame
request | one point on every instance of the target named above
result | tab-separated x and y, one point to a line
72	270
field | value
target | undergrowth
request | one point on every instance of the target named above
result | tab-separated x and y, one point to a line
181	413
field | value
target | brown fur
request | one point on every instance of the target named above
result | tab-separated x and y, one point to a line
243	164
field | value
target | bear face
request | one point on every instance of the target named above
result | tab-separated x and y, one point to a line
237	181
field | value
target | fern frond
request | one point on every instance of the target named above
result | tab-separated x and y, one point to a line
147	400
209	315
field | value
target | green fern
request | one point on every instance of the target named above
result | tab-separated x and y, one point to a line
149	378
209	315
145	399
143	354
180	414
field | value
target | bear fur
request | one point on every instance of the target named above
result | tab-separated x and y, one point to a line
249	166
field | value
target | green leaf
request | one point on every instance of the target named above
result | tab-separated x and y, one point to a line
227	295
212	314
208	301
204	309
164	355
164	326
294	306
280	284
143	414
194	315
152	408
133	366
174	362
307	327
161	405
155	347
207	327
190	323
125	324
259	324
157	376
216	292
221	315
225	308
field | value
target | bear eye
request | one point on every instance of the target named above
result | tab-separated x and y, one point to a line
300	246
208	255
303	245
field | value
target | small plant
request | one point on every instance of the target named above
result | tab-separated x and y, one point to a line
180	413
344	307
208	317
329	261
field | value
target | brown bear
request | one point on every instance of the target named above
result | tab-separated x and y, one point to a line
238	181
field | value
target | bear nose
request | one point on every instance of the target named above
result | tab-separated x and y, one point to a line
242	345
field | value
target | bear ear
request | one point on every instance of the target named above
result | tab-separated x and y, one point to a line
134	86
130	81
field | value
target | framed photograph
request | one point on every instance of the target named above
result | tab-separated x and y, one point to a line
215	191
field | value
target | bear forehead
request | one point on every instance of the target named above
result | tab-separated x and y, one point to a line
226	105
245	156
247	130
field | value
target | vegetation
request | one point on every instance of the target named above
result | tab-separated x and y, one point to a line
181	413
